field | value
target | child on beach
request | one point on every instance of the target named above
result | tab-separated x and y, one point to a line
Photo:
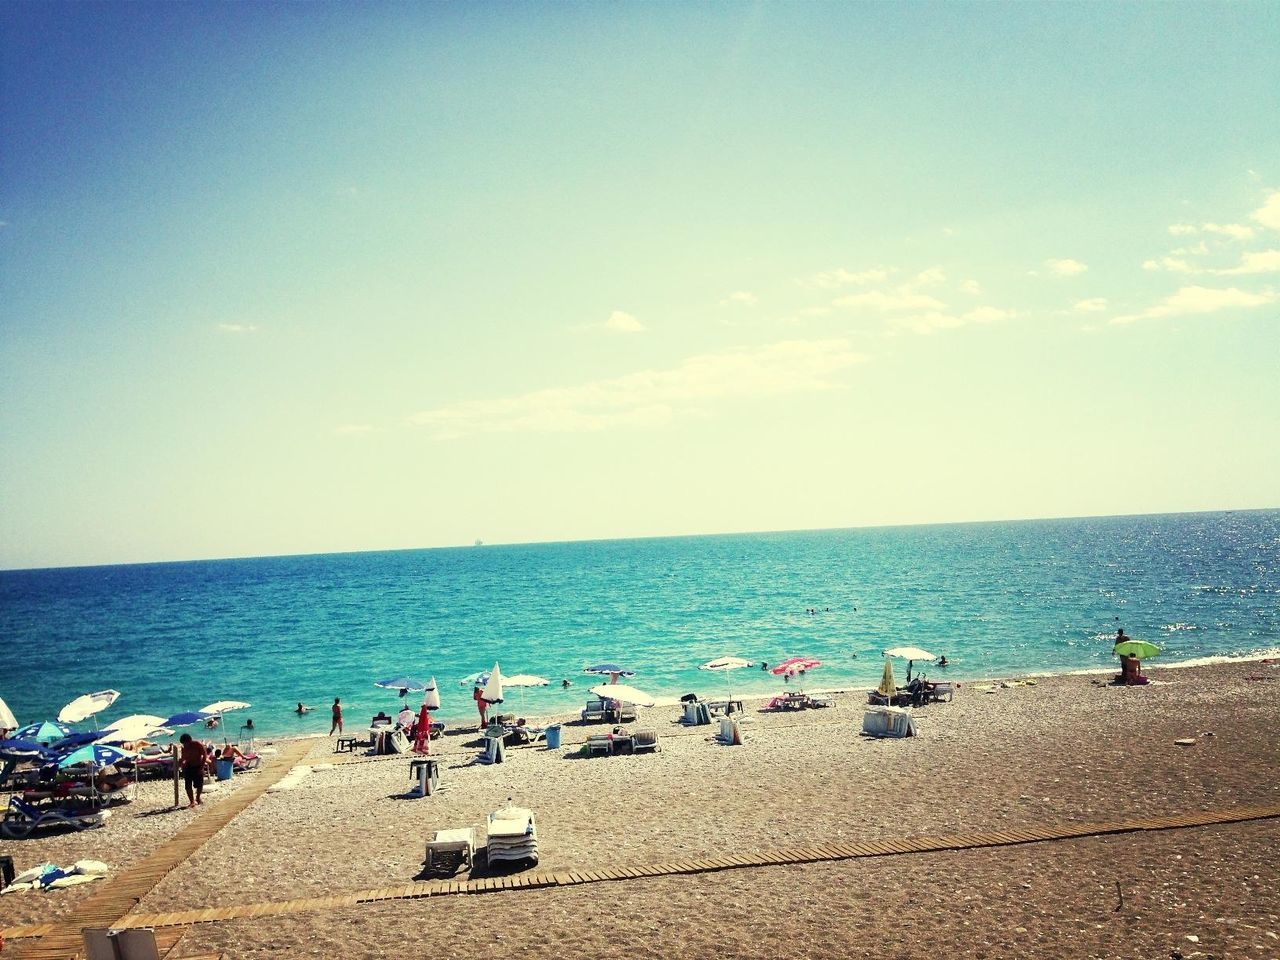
337	716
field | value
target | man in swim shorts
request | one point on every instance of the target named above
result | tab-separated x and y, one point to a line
191	762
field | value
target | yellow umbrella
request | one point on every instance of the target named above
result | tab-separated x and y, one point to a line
887	685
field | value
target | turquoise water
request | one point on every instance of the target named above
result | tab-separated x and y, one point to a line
996	598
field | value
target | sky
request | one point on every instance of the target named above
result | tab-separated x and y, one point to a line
299	278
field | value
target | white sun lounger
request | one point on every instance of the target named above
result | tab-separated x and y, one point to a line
460	843
512	835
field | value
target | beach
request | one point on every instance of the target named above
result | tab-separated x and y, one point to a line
1062	750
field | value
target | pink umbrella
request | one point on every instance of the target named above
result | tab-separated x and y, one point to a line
789	668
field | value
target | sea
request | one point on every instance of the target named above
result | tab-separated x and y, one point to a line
997	599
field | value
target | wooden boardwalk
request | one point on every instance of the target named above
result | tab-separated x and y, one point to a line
566	878
120	893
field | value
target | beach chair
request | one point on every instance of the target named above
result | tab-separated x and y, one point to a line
22	818
494	750
452	847
600	744
942	688
696	714
135	944
512	836
643	741
596	711
626	713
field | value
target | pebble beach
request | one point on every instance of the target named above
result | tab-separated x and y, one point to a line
1059	750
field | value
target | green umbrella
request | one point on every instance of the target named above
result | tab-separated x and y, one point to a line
1135	648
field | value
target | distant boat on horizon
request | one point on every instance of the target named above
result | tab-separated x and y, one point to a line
479	542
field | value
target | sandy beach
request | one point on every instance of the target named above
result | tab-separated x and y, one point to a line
1066	750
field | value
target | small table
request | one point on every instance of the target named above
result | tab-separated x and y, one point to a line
460	842
346	743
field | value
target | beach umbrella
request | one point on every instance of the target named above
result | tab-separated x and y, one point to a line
624	694
46	731
77	739
98	754
795	665
7	720
492	692
888	686
1135	648
136	726
225	706
523	680
475	679
82	708
909	654
610	670
401	683
431	696
187	718
726	664
15	749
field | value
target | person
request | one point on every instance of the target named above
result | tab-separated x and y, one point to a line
566	683
481	705
191	762
1120	636
380	720
231	752
248	724
942	660
337	716
212	723
302	708
764	665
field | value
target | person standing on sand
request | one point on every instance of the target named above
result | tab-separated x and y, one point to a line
191	762
337	716
482	705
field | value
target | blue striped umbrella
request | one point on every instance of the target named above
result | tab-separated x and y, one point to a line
46	731
187	718
98	754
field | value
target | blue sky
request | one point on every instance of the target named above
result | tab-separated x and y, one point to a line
306	277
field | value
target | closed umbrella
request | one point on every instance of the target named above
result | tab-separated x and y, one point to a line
82	708
492	692
888	686
7	720
431	696
726	664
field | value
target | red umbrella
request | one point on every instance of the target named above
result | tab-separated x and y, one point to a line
795	665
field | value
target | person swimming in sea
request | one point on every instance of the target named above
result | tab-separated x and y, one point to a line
301	709
942	660
566	683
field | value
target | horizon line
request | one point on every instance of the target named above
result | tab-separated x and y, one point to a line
623	539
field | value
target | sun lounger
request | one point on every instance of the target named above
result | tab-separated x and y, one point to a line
493	751
888	722
135	944
596	711
22	818
696	714
939	690
644	740
456	846
512	835
625	713
600	744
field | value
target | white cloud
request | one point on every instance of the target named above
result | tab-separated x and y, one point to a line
933	320
352	429
833	279
1236	231
237	327
972	287
1092	305
1269	213
1171	264
1260	261
652	397
1199	300
902	299
931	277
743	297
621	322
1066	268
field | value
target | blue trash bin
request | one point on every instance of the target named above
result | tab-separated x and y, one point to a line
225	769
553	737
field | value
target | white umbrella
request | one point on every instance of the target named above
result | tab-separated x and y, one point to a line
909	654
431	696
135	728
86	706
523	680
624	693
222	706
726	664
492	692
7	720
